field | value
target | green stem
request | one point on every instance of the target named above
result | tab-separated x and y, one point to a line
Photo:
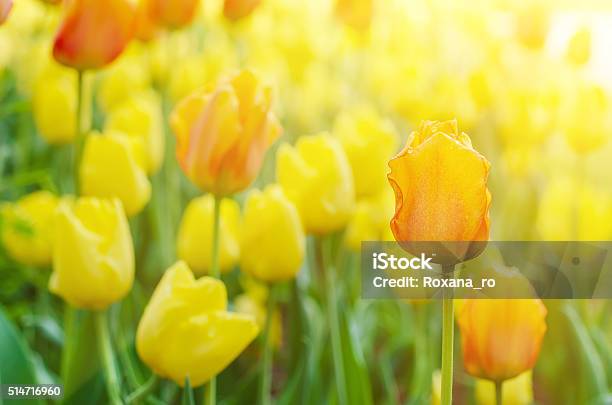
448	329
422	376
266	372
188	393
71	337
108	359
499	392
211	391
80	133
334	323
143	391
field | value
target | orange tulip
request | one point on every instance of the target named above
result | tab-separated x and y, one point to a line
355	13
222	136
501	338
440	185
93	33
5	9
237	9
173	13
146	29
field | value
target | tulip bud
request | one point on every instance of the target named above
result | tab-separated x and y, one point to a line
27	228
440	185
54	104
369	142
222	136
93	260
124	78
273	241
515	391
5	9
501	338
140	117
579	47
533	24
146	29
172	14
195	233
317	178
249	305
93	33
355	13
370	221
237	9
186	331
113	166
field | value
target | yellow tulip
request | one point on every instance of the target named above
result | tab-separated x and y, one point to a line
188	74
533	23
587	123
93	260
515	391
501	338
355	13
249	305
54	104
186	330
195	234
140	116
370	221
579	47
273	241
113	166
315	174
127	76
440	185
27	230
571	211
369	141
222	136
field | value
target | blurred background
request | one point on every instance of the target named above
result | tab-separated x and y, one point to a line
529	81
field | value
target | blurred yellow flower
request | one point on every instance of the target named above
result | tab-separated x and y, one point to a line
113	166
54	103
27	228
272	239
250	305
515	391
579	47
371	219
140	116
186	330
368	141
188	74
222	136
195	233
533	23
355	13
440	185
315	174
93	260
572	211
587	117
501	338
127	76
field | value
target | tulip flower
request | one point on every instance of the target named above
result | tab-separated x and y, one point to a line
355	13
249	305
172	14
195	234
140	117
369	142
515	391
501	338
186	330
316	176
579	47
93	33
93	261
146	29
237	9
54	104
370	220
222	136
113	166
5	9
533	24
27	231
440	185
273	241
124	78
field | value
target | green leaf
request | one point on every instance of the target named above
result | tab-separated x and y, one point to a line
15	359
